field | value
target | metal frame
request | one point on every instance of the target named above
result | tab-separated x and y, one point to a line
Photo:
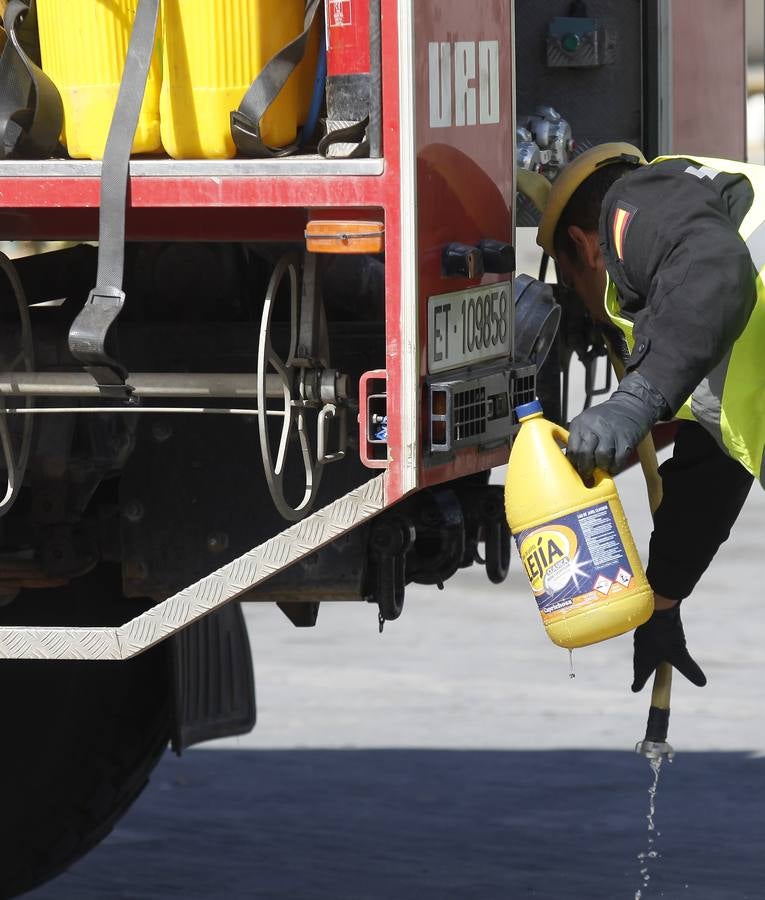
409	346
145	385
289	167
657	77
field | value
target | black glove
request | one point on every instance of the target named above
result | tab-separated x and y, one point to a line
604	436
662	639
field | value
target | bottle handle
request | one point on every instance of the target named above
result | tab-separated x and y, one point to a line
598	475
560	434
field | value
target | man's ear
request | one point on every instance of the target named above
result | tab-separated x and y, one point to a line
587	245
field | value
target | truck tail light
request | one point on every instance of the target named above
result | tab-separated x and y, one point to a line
327	236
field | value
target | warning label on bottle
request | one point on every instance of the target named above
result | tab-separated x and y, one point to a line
575	560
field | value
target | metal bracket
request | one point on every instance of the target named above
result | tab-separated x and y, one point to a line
388	544
302	615
312	348
485	519
328	413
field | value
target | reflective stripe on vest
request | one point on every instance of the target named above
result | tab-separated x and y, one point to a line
730	401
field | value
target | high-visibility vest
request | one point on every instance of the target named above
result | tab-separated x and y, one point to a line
730	401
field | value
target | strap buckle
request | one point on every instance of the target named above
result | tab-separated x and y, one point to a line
87	341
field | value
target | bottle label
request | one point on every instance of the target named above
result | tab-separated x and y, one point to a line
575	560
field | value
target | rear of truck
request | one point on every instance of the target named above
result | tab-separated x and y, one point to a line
313	375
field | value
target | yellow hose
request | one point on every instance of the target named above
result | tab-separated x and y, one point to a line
662	680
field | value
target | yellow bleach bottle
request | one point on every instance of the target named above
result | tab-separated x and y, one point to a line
573	539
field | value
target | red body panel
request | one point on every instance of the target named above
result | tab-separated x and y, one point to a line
200	191
465	155
709	100
347	37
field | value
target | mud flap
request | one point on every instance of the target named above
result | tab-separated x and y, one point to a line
212	678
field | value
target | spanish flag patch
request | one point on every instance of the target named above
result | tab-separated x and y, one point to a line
621	222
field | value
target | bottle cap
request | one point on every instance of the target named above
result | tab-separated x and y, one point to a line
527	410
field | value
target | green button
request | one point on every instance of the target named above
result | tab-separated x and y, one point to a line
571	42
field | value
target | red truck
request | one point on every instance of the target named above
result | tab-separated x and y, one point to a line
313	372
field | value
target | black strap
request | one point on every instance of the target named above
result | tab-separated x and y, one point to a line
87	335
31	112
355	133
245	121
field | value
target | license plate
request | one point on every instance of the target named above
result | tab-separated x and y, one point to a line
465	327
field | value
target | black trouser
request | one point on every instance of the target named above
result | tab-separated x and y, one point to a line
704	490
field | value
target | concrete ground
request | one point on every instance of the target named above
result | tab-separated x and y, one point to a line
452	757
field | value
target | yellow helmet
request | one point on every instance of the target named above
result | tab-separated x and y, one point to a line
569	179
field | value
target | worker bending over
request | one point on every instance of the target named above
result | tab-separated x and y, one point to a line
672	252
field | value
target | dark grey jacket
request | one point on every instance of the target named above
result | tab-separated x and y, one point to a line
685	276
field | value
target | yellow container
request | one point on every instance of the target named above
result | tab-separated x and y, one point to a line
573	540
83	45
212	50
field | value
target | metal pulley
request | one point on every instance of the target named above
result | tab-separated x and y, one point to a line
299	387
308	385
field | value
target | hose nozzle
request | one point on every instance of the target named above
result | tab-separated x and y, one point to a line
654	749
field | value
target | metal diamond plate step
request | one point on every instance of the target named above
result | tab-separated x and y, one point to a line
202	597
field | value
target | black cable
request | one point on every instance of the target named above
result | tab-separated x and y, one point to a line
543	267
16	465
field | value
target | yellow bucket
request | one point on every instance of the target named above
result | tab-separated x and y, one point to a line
83	45
212	50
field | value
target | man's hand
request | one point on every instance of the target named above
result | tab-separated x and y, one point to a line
662	639
606	435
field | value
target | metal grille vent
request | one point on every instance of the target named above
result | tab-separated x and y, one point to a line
523	389
469	413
